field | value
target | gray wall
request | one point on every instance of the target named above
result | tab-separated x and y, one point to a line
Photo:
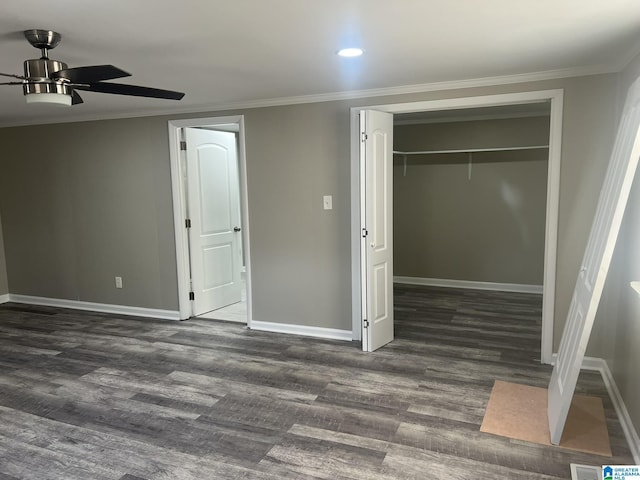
84	202
300	253
4	283
487	228
96	202
616	334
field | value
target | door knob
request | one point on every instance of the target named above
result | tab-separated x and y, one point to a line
236	229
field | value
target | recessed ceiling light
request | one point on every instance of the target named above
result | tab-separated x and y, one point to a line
350	52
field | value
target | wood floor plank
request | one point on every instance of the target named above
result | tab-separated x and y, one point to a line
326	459
28	461
98	396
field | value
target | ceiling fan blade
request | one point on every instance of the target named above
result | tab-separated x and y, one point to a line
12	76
76	98
90	74
133	90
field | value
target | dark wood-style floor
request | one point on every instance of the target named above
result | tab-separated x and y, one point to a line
95	396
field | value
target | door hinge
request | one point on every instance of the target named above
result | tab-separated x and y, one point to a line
187	223
365	323
183	145
365	137
192	296
365	232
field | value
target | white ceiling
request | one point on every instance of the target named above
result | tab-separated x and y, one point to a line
237	52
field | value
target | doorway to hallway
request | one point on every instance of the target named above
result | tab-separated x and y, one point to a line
210	218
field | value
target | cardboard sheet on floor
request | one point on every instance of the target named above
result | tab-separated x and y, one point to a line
520	412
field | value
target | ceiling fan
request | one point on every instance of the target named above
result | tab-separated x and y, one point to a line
50	81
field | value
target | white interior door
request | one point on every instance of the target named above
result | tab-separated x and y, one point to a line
215	242
376	180
595	264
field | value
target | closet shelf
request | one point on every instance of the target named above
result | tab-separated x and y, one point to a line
472	150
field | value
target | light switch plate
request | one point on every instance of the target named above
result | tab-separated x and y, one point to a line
327	202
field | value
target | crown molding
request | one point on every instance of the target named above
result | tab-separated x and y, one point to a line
342	96
626	60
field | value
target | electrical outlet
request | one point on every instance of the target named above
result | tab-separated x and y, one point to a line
118	282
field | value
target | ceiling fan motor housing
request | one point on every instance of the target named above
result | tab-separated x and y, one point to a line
39	71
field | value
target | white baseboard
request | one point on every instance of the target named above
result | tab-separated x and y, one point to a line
319	332
630	432
4	298
443	282
600	365
96	307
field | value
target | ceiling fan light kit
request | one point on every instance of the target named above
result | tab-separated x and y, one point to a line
45	91
45	97
51	81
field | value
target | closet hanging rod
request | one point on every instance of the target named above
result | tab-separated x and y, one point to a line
472	150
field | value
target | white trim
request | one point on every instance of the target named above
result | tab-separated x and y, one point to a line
244	205
179	210
626	60
628	428
630	432
592	364
356	234
179	215
345	95
4	298
553	192
551	227
444	282
96	307
291	329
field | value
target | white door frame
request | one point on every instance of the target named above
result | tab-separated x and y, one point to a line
553	193
179	207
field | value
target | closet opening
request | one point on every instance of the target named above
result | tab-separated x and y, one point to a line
475	200
469	215
469	197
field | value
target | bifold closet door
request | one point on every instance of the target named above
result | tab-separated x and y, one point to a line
376	182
